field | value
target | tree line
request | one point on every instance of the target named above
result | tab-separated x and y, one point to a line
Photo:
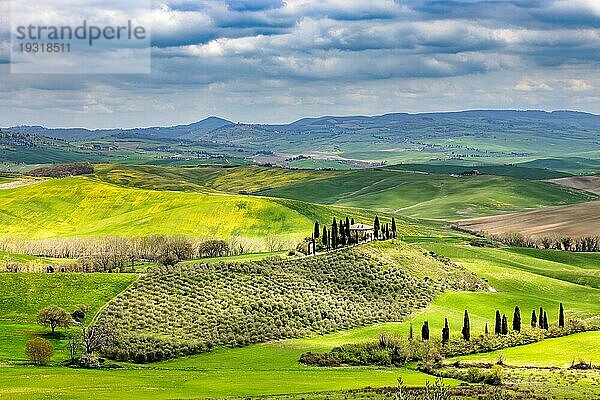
501	326
396	350
116	254
588	244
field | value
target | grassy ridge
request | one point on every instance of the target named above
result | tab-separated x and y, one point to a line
88	207
513	171
559	352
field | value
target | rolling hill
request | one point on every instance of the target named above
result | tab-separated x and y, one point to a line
429	196
271	369
404	193
574	221
189	309
84	207
587	183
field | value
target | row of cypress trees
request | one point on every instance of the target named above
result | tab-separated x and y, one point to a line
339	235
501	324
385	231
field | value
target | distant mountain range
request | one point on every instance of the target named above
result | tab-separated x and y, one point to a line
472	137
201	130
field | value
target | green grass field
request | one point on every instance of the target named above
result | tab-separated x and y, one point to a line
24	294
26	258
429	196
558	352
135	200
513	171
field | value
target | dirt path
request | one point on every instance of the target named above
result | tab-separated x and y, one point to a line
20	183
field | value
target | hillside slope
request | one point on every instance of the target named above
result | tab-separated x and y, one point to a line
429	196
84	207
189	309
575	221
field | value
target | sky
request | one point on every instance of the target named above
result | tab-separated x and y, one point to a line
275	61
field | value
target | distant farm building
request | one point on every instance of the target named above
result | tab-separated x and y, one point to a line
362	231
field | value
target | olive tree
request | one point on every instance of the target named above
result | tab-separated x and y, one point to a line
54	317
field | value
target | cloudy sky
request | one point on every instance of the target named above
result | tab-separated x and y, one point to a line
280	60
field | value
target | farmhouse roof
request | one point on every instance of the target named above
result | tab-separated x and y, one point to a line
361	227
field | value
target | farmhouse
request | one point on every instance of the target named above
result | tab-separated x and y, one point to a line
361	231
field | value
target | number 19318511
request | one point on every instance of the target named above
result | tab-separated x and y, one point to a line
45	47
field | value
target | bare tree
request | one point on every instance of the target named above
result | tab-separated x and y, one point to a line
94	336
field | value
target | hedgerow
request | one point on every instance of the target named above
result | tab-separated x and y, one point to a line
174	311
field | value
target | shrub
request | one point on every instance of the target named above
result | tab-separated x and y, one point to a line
437	391
89	361
39	351
168	259
78	315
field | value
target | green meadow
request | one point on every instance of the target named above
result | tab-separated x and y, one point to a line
557	352
429	196
85	208
255	202
24	294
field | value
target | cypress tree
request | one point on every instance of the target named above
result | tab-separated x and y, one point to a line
498	325
411	333
393	228
342	233
517	319
324	238
533	319
317	230
387	231
466	330
352	221
546	321
376	227
334	234
504	325
445	332
425	331
486	329
561	316
314	246
541	318
348	228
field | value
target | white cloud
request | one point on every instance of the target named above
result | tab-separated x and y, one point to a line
332	56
